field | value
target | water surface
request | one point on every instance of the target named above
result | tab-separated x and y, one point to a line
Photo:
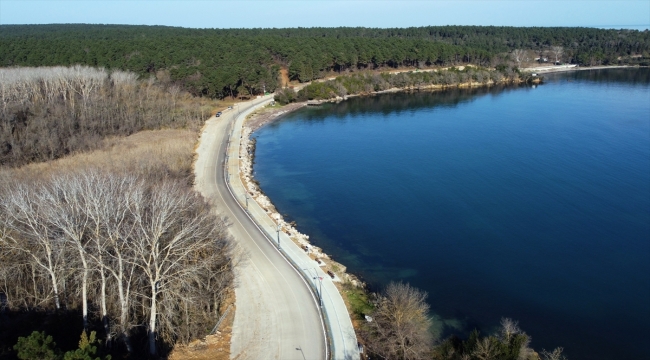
528	202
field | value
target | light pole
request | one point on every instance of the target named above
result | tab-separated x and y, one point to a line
320	291
278	231
246	195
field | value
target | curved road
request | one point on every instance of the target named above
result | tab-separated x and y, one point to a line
277	317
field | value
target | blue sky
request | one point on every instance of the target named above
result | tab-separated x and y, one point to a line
308	13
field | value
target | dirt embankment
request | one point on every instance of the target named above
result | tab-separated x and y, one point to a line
284	77
268	115
211	347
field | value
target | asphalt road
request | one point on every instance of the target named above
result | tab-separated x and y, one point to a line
277	317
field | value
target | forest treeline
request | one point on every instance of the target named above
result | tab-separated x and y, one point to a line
369	82
240	62
50	112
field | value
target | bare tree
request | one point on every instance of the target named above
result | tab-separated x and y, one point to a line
65	211
400	326
518	55
48	112
511	335
509	328
25	212
108	201
160	257
553	355
174	90
94	205
485	349
171	233
558	51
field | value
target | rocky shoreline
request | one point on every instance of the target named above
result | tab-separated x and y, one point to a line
247	153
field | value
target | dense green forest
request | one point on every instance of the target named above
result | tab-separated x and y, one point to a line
240	62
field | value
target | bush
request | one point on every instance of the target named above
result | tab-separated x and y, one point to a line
400	326
37	346
360	305
511	343
285	96
87	349
318	91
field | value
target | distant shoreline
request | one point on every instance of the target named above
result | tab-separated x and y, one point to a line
257	121
561	68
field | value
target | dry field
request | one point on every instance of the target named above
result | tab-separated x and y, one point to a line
146	153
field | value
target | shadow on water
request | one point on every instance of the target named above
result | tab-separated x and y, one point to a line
396	103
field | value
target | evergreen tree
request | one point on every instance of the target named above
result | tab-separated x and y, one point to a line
87	349
37	346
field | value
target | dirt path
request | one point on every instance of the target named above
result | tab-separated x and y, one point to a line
284	77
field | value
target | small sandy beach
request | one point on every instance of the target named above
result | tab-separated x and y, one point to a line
563	68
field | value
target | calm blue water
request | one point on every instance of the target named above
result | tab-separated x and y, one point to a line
529	203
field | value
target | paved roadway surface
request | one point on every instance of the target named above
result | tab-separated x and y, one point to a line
277	316
343	340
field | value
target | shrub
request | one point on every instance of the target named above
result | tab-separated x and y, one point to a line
285	96
87	349
37	346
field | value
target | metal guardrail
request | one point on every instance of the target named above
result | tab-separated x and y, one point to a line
221	319
329	350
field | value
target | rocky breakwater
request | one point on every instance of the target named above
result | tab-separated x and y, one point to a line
247	153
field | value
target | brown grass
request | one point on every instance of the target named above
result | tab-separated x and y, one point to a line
155	154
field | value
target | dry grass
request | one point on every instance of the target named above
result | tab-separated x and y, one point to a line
152	154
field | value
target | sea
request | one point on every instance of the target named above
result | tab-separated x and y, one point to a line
529	202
